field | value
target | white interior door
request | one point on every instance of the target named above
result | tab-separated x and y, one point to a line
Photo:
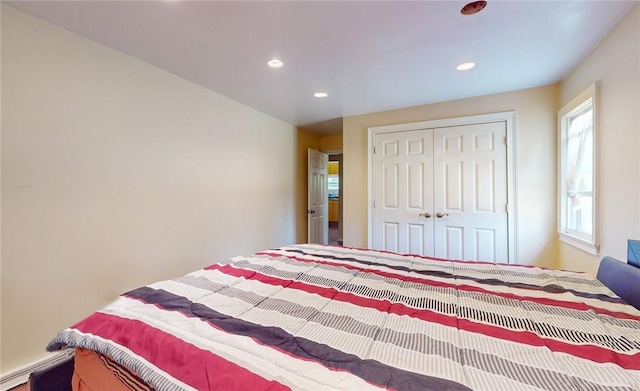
317	198
404	192
470	181
442	192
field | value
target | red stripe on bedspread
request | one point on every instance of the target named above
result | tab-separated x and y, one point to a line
589	352
580	306
196	367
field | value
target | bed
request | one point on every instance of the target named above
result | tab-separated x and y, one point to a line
310	317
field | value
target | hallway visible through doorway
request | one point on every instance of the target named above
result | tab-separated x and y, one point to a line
334	234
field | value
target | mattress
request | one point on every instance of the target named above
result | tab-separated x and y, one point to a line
310	317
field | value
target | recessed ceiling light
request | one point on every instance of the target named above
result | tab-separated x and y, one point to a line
275	63
473	7
320	94
466	66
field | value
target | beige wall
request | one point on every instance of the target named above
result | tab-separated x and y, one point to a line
615	64
331	143
536	153
116	174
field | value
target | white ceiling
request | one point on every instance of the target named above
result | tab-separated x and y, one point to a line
368	56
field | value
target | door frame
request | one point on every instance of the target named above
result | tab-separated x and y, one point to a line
508	117
330	153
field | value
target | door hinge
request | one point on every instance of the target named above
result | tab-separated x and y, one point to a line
374	150
505	140
374	204
506	207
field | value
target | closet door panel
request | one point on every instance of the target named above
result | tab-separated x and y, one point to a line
470	182
404	192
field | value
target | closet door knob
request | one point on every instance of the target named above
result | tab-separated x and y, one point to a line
441	215
425	214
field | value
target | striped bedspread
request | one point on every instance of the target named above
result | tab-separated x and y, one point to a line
310	317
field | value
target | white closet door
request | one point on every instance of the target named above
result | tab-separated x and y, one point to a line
404	192
458	173
470	181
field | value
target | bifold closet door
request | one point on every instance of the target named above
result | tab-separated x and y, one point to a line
442	192
403	184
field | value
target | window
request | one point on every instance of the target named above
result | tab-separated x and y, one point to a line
333	185
577	165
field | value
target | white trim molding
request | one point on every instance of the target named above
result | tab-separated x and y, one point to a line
509	117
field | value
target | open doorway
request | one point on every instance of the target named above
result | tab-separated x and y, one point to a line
335	186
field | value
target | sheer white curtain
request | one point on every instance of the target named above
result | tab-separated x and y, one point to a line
578	174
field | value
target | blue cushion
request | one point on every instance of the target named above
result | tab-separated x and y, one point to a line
622	278
633	252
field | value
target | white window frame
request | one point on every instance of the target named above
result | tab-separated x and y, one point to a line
589	243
